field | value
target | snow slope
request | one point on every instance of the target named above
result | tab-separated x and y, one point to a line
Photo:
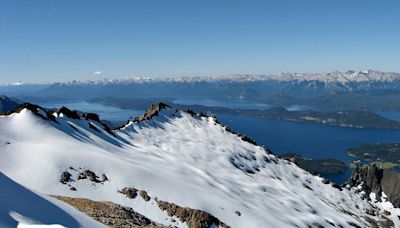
192	161
21	207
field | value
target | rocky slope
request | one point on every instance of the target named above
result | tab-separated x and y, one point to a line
384	183
110	214
176	168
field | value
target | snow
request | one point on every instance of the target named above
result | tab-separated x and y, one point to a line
39	226
340	77
385	205
187	160
23	208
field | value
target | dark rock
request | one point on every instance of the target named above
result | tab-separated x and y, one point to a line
326	181
247	139
88	174
107	129
194	218
153	111
34	109
104	178
370	212
110	214
191	112
354	225
238	213
144	195
68	113
129	192
92	116
72	188
378	180
386	212
91	126
65	177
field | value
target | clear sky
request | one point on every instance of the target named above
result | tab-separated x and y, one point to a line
58	40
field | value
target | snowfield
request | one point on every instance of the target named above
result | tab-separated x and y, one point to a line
23	208
189	160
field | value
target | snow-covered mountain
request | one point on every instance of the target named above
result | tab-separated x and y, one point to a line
336	76
281	89
340	77
176	168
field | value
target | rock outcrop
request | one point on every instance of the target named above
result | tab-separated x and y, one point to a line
36	109
68	113
65	177
377	180
129	192
194	218
90	175
110	214
153	111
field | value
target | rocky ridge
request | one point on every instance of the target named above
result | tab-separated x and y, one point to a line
373	179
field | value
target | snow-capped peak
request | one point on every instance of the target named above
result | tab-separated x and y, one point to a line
340	77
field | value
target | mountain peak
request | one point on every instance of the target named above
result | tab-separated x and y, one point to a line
35	109
154	110
68	113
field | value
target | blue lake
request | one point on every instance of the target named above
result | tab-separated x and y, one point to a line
310	140
390	115
237	105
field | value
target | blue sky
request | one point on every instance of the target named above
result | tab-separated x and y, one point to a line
64	40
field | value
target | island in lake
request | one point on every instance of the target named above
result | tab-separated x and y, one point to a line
385	155
317	166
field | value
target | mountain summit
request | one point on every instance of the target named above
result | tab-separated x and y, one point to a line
174	168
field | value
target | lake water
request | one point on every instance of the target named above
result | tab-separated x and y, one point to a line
310	140
390	115
236	105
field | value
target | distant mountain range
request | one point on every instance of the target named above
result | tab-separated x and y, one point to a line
367	90
7	104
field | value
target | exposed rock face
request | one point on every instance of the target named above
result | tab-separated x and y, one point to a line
194	218
92	116
34	109
65	177
104	178
378	180
153	111
144	195
110	214
129	192
68	113
89	174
